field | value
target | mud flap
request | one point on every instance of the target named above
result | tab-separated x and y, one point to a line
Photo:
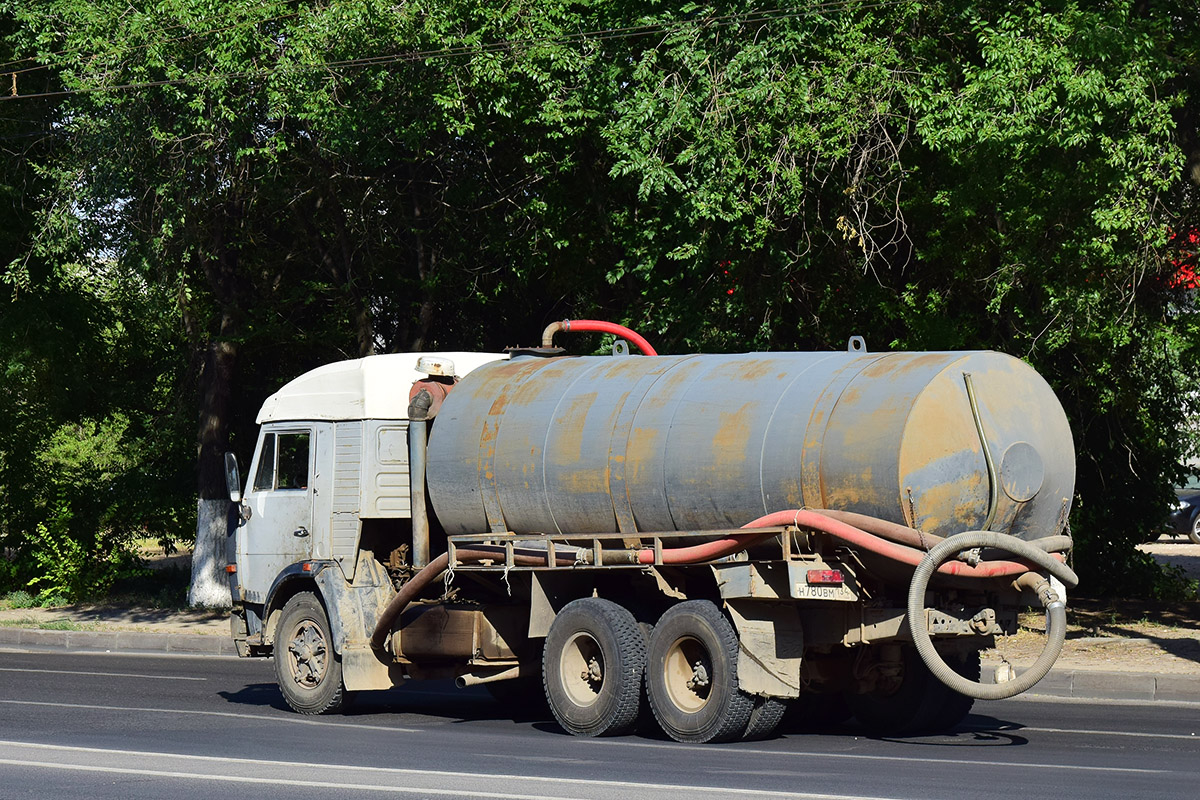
353	611
770	647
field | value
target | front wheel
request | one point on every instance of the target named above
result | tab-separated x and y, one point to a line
1194	533
692	682
307	669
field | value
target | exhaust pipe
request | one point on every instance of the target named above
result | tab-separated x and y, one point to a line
477	678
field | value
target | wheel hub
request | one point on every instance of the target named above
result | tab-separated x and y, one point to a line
581	669
308	655
687	674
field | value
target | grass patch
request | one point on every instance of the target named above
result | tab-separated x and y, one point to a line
18	599
45	625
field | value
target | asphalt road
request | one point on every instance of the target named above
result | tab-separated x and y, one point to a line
117	726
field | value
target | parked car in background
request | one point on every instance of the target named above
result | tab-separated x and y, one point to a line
1185	515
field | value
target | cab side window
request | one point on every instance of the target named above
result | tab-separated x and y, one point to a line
293	461
283	463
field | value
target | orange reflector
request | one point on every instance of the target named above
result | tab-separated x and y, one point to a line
231	568
306	566
825	576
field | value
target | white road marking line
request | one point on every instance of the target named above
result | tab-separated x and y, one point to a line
103	674
294	719
657	745
973	763
360	787
1136	734
392	771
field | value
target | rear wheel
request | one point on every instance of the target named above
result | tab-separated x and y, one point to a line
955	706
1194	533
914	701
307	669
765	717
691	676
592	668
816	711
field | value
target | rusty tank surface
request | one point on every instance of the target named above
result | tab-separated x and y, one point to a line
938	441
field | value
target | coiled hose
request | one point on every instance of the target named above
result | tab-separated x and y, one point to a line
1056	611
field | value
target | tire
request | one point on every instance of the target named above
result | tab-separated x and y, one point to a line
816	712
955	706
691	676
1194	533
765	717
307	669
914	706
592	668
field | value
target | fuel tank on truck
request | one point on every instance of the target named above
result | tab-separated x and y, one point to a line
576	445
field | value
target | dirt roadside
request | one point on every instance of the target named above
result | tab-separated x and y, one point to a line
1123	636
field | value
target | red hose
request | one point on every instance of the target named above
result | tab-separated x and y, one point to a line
847	533
597	326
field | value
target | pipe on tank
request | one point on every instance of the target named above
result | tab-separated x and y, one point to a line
596	326
415	585
920	540
420	515
891	550
893	531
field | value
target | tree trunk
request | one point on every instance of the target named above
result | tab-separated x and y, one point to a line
209	582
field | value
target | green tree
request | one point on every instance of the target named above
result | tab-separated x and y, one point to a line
287	184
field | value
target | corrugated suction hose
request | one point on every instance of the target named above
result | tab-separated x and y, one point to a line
1056	612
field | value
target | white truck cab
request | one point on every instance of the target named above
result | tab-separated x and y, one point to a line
332	457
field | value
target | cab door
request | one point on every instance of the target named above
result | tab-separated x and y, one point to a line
280	496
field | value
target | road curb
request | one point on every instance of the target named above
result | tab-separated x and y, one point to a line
1092	684
122	641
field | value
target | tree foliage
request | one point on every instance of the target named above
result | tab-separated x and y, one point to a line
227	192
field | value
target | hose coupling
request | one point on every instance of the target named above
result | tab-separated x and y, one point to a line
972	556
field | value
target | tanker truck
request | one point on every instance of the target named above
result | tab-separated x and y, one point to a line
698	542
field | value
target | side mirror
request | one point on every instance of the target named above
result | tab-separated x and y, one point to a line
233	480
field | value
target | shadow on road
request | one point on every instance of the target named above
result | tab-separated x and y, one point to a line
439	699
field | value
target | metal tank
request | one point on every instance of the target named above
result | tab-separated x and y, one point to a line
626	443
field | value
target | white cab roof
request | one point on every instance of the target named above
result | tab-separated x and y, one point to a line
375	387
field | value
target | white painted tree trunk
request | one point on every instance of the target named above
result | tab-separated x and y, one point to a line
210	586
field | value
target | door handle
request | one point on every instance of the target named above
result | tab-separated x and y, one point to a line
301	531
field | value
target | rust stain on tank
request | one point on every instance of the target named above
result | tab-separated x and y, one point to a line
792	496
965	500
900	365
642	450
567	442
583	481
754	370
851	395
732	437
499	404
